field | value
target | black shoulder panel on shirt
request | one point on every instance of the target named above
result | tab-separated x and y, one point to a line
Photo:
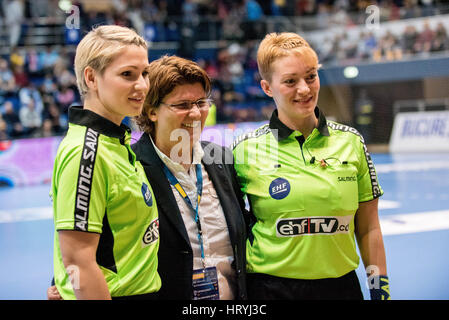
105	250
253	134
344	128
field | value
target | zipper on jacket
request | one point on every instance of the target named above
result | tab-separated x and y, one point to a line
301	141
131	158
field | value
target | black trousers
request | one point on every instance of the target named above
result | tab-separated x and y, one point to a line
266	287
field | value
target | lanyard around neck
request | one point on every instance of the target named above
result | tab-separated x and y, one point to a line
199	187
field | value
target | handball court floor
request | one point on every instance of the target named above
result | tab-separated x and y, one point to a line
414	215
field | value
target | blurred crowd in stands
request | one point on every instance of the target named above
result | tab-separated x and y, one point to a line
37	86
36	91
339	49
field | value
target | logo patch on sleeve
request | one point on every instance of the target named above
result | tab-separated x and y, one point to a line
279	188
151	234
146	192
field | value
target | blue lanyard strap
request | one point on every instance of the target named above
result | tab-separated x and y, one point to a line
199	186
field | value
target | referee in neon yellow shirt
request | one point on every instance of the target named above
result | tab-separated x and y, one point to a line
311	186
106	219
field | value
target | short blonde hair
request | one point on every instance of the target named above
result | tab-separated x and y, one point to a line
99	48
165	74
279	45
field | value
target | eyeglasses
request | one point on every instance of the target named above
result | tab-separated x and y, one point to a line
202	104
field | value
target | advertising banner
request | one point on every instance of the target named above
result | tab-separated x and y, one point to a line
420	132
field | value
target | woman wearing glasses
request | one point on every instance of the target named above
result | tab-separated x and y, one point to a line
201	228
202	234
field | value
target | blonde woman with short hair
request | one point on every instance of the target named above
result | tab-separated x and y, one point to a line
105	215
311	186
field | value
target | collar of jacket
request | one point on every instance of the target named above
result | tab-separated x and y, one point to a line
284	131
90	119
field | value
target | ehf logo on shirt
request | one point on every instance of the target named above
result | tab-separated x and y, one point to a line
279	188
146	192
151	234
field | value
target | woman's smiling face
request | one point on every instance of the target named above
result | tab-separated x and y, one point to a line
123	85
294	86
172	124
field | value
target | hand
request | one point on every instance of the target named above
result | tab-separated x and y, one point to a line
53	293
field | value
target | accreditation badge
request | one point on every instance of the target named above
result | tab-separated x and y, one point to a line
205	284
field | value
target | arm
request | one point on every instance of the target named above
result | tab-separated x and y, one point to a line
78	251
369	236
228	161
237	190
371	245
247	214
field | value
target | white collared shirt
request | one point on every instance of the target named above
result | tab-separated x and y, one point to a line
216	242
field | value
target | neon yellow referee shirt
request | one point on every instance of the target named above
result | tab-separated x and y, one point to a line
98	186
304	194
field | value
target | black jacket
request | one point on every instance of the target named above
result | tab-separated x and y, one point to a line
175	256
